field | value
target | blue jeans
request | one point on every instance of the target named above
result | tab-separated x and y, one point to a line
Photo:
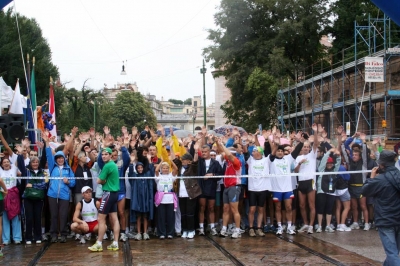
16	229
390	237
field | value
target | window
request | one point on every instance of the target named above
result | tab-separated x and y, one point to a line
211	127
195	103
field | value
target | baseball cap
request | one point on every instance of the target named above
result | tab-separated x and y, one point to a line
387	158
330	160
107	150
86	188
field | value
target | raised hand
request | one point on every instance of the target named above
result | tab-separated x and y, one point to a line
39	144
45	135
314	128
66	137
98	137
311	138
339	130
134	131
74	130
363	136
26	142
19	148
124	130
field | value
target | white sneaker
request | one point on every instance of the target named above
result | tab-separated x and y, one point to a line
329	229
105	237
343	228
367	226
185	234
191	234
290	231
201	232
223	233
355	226
28	242
130	235
310	230
123	237
88	236
82	240
303	229
77	236
38	241
236	234
146	236
213	231
319	229
280	230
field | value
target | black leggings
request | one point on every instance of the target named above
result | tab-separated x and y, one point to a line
187	207
58	207
33	216
325	203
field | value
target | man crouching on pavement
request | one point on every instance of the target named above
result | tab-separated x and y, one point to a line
87	210
384	186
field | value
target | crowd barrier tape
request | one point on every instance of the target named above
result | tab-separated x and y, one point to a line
218	177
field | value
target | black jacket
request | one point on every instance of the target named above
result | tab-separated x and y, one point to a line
385	188
209	186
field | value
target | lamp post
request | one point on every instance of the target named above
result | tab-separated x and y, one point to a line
194	119
203	71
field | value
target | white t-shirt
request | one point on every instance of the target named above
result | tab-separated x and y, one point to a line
308	166
27	161
165	184
10	177
89	211
182	188
258	169
208	161
279	167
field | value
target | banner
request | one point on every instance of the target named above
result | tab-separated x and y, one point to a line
374	71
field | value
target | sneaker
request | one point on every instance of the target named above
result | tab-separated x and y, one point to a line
303	229
310	230
1	252
214	231
259	232
17	242
77	236
273	229
290	231
146	236
329	229
267	228
113	247
130	235
279	231
319	229
38	242
138	236
88	236
54	239
201	232
191	234
28	242
155	231
178	234
236	234
96	247
71	235
284	227
185	234
343	228
367	226
112	236
170	237
223	233
162	237
44	237
251	232
105	237
230	231
63	239
355	226
123	237
82	240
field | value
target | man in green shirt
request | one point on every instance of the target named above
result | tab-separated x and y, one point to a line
109	179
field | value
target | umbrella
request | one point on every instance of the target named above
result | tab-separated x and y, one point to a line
212	132
181	133
166	130
222	129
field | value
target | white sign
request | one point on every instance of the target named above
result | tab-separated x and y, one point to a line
394	50
374	69
348	128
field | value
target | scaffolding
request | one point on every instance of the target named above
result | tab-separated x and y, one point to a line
333	95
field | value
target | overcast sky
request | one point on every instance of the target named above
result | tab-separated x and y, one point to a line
161	40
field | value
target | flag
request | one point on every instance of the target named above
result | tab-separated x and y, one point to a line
6	94
17	106
33	87
52	108
30	112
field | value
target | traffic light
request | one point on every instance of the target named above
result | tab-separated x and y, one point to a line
383	123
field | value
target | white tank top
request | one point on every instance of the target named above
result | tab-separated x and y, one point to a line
89	211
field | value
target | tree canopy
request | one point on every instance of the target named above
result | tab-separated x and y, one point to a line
33	42
175	101
263	43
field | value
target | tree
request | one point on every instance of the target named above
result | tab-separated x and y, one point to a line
33	42
188	101
132	110
174	101
278	37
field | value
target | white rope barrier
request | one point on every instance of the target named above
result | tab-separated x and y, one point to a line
218	177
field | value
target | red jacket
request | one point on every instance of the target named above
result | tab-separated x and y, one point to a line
12	203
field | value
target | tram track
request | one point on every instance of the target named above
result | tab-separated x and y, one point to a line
40	254
226	253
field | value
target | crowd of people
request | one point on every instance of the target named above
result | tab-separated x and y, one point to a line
142	185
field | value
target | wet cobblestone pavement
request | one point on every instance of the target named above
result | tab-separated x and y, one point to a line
300	249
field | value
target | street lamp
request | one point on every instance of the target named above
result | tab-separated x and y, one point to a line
194	118
203	71
123	69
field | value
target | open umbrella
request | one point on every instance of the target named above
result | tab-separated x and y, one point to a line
222	129
181	133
